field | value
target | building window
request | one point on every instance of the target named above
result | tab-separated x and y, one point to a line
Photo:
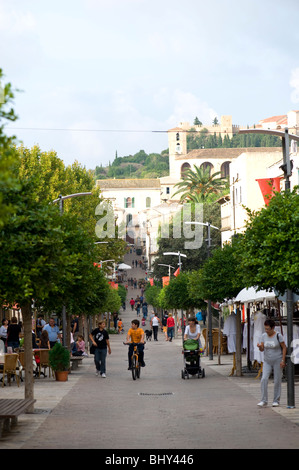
148	202
167	190
184	168
225	170
129	202
177	136
207	166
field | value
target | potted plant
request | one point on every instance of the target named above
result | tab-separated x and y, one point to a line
59	358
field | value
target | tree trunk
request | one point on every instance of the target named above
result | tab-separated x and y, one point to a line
86	322
29	383
68	332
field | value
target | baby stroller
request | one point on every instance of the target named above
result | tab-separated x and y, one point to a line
191	352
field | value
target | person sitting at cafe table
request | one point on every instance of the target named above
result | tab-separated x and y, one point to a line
3	332
44	340
53	332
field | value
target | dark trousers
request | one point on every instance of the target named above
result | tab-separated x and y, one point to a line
140	348
100	360
155	330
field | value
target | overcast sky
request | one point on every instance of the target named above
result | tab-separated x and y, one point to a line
144	65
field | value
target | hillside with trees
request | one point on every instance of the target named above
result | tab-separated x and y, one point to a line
156	165
204	139
140	165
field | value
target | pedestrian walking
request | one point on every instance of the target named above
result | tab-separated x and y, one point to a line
155	322
132	303
144	309
274	348
100	339
137	307
170	327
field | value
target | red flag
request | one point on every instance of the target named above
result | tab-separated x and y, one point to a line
165	281
268	186
151	280
177	272
113	285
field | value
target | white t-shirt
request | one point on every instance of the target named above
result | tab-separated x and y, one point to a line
192	335
155	321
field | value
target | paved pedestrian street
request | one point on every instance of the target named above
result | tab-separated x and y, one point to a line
160	411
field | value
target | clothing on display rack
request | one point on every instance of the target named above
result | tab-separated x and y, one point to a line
295	350
230	330
258	330
245	337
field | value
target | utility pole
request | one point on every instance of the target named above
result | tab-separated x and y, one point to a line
287	170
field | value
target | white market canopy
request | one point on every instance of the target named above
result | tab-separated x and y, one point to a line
252	295
124	266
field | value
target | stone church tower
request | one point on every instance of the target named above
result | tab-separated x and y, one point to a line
177	143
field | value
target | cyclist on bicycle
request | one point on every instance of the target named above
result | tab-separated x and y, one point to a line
136	335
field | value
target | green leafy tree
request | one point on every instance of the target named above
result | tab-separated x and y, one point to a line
268	252
31	253
152	295
122	292
197	122
218	279
8	157
176	294
46	258
112	303
195	257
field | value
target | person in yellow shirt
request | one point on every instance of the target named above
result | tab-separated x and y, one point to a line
136	335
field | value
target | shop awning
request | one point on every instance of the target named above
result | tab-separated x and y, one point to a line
252	295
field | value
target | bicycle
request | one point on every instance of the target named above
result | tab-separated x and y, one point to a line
136	366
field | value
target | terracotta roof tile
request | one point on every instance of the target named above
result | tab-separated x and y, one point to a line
129	183
274	119
225	152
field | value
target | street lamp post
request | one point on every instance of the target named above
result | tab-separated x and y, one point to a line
60	200
210	332
179	254
169	266
287	170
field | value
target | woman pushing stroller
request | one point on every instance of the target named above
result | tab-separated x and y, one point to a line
192	349
192	331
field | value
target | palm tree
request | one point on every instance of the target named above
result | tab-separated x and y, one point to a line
198	184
